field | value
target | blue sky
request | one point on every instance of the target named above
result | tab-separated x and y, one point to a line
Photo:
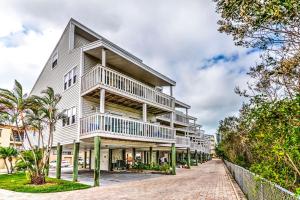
178	39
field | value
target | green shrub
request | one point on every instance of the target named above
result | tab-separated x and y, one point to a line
165	168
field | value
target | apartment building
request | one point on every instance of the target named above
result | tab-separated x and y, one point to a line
117	112
9	137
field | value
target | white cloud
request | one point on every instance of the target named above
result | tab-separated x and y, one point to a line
176	39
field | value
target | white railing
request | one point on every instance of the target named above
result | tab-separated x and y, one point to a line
179	117
121	126
124	84
182	141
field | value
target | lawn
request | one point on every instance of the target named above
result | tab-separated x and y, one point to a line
17	182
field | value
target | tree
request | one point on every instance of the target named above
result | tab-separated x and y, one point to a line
8	153
49	112
272	28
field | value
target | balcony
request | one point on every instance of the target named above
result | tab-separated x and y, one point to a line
182	141
180	118
196	147
123	85
111	126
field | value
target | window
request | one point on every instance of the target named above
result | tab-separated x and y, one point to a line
54	60
70	117
73	120
70	78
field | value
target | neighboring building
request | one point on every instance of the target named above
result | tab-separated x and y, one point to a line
9	137
110	94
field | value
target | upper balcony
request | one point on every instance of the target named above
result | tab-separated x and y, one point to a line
111	126
182	141
125	86
180	118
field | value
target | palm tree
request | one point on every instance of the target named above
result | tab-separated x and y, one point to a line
8	153
32	112
49	112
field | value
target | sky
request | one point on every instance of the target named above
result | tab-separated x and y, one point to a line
177	38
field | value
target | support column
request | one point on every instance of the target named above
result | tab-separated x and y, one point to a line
102	100
124	157
90	159
196	157
97	145
157	157
150	156
58	160
84	159
133	155
173	157
110	167
75	161
145	157
200	157
189	157
144	112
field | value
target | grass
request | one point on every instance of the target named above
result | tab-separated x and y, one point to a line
18	183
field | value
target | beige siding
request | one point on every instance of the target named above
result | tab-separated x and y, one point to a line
55	79
80	41
89	62
115	109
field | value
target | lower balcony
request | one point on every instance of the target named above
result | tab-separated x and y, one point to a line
111	126
195	147
182	141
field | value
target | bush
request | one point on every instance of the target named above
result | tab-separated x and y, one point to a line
193	162
182	162
166	168
156	167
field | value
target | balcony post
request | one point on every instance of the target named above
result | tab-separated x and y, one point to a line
58	161
75	161
157	157
189	158
103	58
172	120
171	90
102	100
173	157
144	112
97	147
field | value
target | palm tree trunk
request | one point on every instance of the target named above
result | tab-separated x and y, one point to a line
11	165
4	159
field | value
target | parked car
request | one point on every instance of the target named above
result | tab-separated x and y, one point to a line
64	163
52	164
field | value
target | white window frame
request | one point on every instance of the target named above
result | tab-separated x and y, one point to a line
54	57
69	113
69	77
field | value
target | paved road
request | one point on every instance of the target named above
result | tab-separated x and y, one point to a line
208	181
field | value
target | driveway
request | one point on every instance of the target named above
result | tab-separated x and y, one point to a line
209	181
106	178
